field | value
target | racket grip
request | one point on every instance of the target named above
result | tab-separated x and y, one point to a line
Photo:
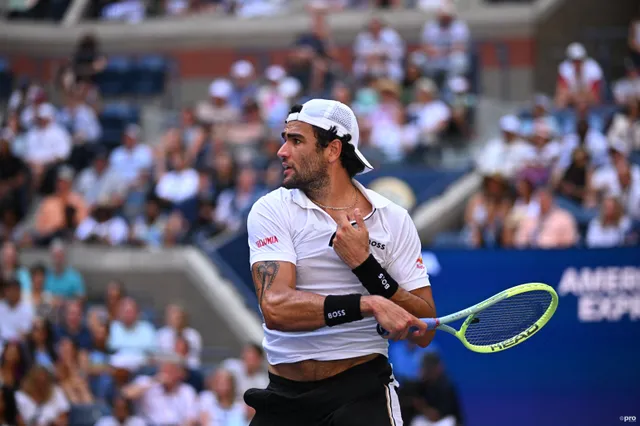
432	324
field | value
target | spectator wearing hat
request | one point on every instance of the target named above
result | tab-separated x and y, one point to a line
17	315
541	112
244	85
379	51
506	152
132	158
268	96
218	109
445	42
63	281
462	104
100	182
164	399
13	178
48	145
580	78
287	92
60	213
36	96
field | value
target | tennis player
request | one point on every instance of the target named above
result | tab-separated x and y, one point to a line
330	261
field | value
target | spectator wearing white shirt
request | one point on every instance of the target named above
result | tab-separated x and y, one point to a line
219	404
165	399
122	415
621	180
83	124
132	158
47	145
379	51
445	41
36	96
218	108
129	335
103	226
627	89
542	154
177	325
506	152
40	402
611	228
432	115
180	184
17	315
580	78
244	84
625	126
592	140
250	371
541	112
99	182
234	204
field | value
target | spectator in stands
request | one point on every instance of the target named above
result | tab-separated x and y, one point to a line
13	365
634	41
543	153
269	98
71	373
523	206
149	228
437	400
627	89
585	137
37	296
13	177
114	293
122	414
624	126
36	97
63	280
82	123
87	62
17	315
180	185
129	335
98	370
41	344
131	159
234	204
193	135
16	135
611	228
245	135
103	226
379	51
249	372
431	114
177	325
445	42
60	213
244	86
462	105
41	402
99	182
572	181
506	152
218	109
552	227
11	268
73	328
164	399
48	145
219	404
486	212
580	78
205	225
541	112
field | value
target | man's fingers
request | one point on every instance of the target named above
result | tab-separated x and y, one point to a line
417	327
343	220
360	220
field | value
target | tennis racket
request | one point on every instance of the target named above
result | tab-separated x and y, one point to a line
502	321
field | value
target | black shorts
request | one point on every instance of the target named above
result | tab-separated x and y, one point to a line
364	395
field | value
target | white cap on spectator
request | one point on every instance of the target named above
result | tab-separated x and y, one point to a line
242	69
220	88
576	52
46	111
289	87
275	73
326	114
619	146
133	131
447	8
127	360
458	84
427	85
542	101
510	123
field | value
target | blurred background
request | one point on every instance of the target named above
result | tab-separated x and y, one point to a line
136	135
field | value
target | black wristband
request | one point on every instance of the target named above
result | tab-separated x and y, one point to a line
375	278
342	309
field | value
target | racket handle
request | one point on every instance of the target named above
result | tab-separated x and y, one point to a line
432	324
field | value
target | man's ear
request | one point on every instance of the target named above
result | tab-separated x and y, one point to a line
334	149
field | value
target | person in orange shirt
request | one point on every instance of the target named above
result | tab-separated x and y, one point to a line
551	227
60	213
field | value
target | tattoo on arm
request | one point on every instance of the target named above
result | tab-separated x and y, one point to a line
264	275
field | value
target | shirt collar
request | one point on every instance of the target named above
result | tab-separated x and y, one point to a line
376	200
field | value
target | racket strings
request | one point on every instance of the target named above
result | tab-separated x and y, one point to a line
507	318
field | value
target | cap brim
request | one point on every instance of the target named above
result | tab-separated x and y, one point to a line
367	166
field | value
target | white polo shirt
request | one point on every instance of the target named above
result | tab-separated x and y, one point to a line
286	226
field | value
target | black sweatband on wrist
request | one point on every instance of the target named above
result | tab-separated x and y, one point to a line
342	309
375	278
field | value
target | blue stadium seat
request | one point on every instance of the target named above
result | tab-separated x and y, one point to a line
114	118
449	240
150	75
6	78
117	77
86	415
634	158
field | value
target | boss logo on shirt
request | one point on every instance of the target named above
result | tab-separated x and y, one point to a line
376	244
336	314
266	241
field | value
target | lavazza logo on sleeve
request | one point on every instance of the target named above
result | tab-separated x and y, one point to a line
605	293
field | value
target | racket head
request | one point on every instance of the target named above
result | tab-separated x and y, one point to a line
500	323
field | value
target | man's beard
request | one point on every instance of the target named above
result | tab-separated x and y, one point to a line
310	175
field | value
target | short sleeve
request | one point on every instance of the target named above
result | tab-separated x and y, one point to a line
26	406
61	402
269	232
407	267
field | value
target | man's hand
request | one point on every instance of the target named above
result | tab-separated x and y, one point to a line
392	318
350	243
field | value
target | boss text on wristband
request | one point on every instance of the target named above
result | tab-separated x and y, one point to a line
375	278
342	309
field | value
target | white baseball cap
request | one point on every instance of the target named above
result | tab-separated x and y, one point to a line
576	52
510	123
220	88
275	73
242	69
326	114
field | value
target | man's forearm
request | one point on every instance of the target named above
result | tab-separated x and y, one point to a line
413	304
